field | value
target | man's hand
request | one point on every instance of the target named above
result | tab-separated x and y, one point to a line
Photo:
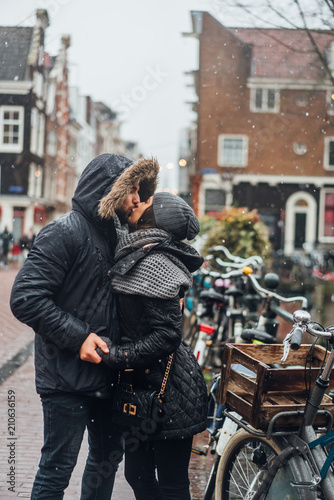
88	349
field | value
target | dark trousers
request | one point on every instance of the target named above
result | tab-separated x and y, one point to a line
66	416
170	458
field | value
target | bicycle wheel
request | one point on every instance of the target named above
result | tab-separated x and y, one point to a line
241	468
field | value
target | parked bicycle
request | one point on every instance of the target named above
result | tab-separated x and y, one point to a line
234	309
225	304
285	457
220	428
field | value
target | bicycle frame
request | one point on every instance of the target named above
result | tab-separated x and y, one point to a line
308	435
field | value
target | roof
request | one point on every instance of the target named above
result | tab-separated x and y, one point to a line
15	43
285	53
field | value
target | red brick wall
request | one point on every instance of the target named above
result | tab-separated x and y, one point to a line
224	108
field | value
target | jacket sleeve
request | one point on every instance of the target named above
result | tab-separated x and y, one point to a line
162	338
39	281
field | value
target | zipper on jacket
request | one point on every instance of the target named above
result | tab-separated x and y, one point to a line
100	259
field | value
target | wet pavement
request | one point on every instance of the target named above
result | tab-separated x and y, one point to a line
21	427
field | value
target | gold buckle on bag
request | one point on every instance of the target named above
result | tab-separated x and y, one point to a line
129	409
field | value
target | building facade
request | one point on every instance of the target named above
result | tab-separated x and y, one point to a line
49	132
265	129
22	124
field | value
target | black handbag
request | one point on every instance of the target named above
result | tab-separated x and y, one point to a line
135	406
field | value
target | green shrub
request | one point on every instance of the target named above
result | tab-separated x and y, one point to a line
240	230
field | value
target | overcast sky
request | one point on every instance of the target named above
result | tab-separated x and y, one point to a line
131	55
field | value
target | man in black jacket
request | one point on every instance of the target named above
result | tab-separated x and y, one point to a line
63	293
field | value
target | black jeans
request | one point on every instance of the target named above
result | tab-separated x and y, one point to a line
66	416
170	458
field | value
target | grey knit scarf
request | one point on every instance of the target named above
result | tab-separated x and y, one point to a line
159	274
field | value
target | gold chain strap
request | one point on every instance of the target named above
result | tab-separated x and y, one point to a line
164	380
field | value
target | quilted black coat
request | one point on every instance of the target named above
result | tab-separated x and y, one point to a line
151	331
63	292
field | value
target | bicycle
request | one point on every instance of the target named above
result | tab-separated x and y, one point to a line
223	308
227	323
220	428
287	458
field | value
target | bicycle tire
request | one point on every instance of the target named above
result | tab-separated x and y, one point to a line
236	471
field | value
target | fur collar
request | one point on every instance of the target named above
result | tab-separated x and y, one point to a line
143	172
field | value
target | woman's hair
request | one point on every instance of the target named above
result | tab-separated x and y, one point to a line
147	219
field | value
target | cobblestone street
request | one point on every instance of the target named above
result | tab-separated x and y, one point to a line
24	446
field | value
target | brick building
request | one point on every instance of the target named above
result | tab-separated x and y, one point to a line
48	131
265	129
22	123
60	165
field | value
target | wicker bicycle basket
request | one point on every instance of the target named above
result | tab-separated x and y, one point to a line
257	392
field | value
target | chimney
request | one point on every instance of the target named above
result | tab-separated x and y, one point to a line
42	18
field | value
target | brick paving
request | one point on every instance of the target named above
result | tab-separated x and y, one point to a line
28	434
13	334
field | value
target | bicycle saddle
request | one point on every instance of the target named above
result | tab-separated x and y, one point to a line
211	294
234	292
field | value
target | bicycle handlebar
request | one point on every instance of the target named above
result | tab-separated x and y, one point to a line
235	258
264	292
216	274
296	338
282	313
269	293
250	260
302	323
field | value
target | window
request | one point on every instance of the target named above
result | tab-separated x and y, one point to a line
35	181
326	216
329	215
265	100
52	143
214	200
329	153
232	150
11	128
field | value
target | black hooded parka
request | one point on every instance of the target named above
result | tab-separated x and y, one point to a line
63	292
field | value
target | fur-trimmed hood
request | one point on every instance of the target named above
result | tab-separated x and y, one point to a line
109	176
143	172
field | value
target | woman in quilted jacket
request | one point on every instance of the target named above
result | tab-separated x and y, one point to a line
151	275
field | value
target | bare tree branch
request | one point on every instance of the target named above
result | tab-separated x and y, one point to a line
323	12
250	11
321	56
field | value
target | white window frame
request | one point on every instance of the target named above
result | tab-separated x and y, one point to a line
244	153
322	203
264	107
328	140
11	147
